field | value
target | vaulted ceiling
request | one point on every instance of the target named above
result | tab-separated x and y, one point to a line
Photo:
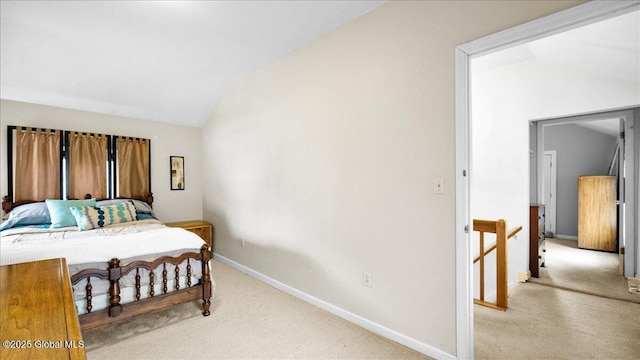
610	48
167	61
171	61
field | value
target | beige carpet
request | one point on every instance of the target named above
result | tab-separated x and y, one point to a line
249	320
588	271
572	311
544	322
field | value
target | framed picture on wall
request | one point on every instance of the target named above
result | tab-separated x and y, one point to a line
177	172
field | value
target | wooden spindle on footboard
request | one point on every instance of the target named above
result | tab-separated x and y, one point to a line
152	277
115	273
88	289
205	256
137	284
88	274
164	278
188	273
177	284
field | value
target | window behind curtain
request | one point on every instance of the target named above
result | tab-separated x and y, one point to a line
52	164
87	165
38	163
132	167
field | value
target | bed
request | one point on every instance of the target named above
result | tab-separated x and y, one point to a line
119	269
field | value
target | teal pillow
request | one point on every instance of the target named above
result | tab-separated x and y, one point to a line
60	214
91	217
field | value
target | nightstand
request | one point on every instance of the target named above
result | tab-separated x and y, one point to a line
199	227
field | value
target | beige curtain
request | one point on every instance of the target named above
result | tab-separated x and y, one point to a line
37	165
133	167
87	165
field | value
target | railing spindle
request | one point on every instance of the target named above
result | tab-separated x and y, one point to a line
499	229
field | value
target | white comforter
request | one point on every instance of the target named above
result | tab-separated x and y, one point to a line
134	240
139	240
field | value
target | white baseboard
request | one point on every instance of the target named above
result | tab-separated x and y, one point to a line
349	316
568	237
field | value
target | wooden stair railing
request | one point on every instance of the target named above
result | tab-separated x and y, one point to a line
499	228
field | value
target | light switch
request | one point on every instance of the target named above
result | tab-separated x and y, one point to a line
438	185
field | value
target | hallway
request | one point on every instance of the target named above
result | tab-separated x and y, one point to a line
587	271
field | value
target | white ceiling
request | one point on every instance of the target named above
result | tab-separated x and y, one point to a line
610	47
610	127
171	61
167	61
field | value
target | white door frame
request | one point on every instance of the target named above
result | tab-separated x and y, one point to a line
559	22
551	206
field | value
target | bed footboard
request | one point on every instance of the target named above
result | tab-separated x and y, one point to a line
117	311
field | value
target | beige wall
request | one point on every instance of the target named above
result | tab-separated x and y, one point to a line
320	165
166	140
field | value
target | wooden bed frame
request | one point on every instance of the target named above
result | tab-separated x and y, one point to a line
118	312
114	271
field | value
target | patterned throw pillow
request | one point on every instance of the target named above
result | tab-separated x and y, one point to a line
91	217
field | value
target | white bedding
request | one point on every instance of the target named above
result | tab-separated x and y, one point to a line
122	241
137	240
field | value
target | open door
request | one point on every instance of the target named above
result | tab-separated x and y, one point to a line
549	189
617	165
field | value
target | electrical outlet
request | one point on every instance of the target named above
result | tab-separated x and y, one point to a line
366	279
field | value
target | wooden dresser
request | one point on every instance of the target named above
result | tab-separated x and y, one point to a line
39	319
199	227
536	239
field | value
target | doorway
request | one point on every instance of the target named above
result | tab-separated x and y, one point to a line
584	14
593	144
617	157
